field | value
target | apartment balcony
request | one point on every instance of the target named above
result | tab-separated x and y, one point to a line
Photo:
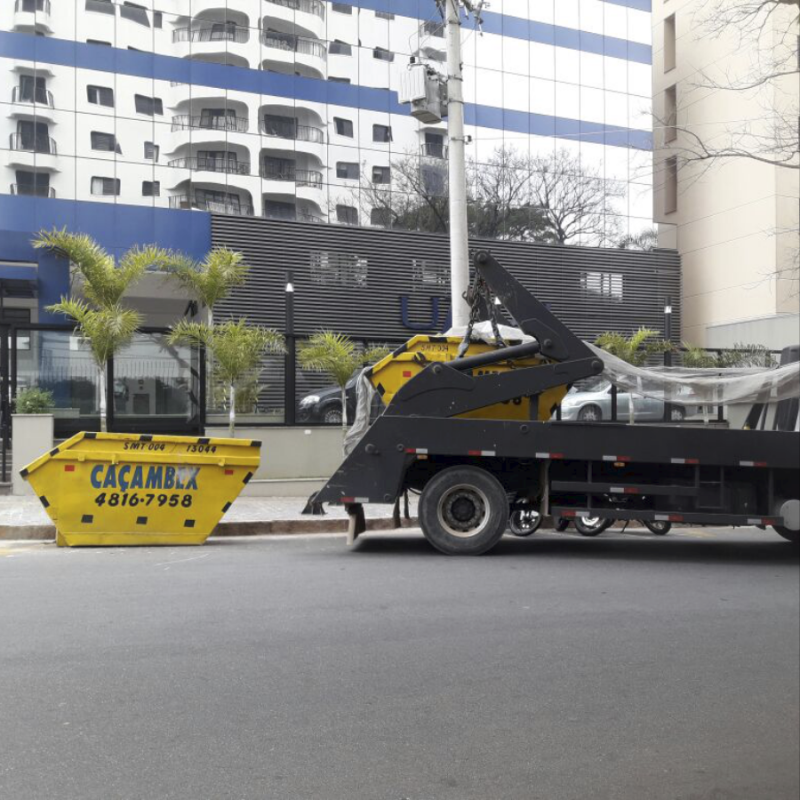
277	207
204	164
298	216
291	43
32	14
232	205
203	31
32	144
433	150
301	177
315	7
38	96
27	190
300	133
310	14
182	122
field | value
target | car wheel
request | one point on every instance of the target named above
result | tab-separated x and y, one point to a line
463	511
524	521
332	415
591	526
590	414
657	526
677	414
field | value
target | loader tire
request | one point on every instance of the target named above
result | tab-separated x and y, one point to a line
463	511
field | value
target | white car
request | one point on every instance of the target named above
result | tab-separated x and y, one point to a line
593	404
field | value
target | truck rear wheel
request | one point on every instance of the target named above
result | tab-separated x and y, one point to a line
789	535
463	511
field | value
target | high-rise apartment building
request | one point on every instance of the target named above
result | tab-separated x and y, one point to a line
722	117
288	109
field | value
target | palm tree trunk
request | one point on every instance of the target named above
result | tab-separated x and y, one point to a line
102	399
232	416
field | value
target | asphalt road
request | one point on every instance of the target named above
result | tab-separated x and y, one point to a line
558	668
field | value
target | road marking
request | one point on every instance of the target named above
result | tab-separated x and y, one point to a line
181	560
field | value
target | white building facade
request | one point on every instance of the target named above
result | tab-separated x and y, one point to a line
288	108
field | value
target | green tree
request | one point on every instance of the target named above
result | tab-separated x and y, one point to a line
101	319
212	279
339	357
236	347
635	349
741	355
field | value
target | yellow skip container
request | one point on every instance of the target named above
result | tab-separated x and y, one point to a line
131	489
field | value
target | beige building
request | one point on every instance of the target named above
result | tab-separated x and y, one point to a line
735	220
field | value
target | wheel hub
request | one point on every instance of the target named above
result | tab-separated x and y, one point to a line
463	511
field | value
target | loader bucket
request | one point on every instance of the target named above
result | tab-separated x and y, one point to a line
131	489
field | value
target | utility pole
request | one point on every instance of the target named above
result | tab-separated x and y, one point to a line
459	248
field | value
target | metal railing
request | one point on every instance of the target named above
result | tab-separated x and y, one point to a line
26	190
301	133
224	123
307	6
211	165
433	149
32	143
294	216
302	177
223	32
290	42
41	96
32	6
185	201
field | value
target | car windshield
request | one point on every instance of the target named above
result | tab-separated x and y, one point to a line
596	383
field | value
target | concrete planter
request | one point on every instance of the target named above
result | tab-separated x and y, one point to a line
294	461
31	436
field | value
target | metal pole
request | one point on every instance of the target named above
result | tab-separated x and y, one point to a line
459	251
667	354
290	360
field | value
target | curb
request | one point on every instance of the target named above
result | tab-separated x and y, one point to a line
280	527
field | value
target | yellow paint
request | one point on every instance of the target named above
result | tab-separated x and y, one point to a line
124	489
393	371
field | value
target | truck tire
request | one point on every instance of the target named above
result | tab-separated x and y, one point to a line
463	511
659	527
524	521
789	535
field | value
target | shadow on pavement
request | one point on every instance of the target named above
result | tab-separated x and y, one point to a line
634	548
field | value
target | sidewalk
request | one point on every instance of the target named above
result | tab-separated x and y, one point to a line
24	518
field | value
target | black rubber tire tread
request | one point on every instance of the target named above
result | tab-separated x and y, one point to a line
561	524
665	527
584	530
498	511
790	536
528	531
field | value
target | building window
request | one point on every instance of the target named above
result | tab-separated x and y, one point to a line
434	145
32	90
347	170
381	217
33	184
280	126
381	133
344	127
135	13
151	188
101	6
669	43
342	8
604	284
218	161
275	209
338	80
158	19
106	142
381	175
151	151
433	28
218	118
671	185
338	48
33	136
340	269
347	215
98	41
382	54
384	15
100	96
107	186
148	105
670	114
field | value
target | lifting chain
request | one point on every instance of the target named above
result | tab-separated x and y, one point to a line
473	296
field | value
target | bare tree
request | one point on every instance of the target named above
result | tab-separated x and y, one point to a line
763	35
575	199
511	195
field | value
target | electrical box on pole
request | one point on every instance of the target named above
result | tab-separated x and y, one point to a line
425	91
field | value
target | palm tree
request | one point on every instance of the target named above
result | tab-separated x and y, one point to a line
339	357
635	349
100	318
210	280
237	350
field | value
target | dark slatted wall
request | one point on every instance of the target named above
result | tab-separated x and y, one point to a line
354	280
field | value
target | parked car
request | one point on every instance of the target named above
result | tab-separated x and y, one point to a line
325	405
592	403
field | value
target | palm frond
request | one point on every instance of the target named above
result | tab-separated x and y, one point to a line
212	279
